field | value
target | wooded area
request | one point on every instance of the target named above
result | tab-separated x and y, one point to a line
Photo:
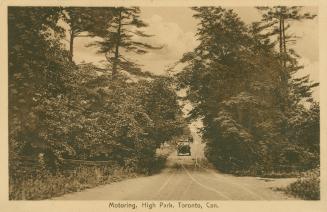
246	91
60	110
258	116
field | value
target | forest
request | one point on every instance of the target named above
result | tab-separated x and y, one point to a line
258	116
61	110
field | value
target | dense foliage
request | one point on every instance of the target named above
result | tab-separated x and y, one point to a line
257	116
250	102
58	110
307	186
44	184
39	71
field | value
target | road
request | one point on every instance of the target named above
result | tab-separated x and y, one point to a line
186	178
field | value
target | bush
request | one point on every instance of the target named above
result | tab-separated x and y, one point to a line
156	164
307	186
45	185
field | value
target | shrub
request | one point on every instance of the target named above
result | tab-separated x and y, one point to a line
45	185
307	186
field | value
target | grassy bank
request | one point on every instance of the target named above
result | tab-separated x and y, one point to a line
36	183
268	174
44	184
307	186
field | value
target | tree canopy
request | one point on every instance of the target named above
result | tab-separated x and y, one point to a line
67	111
123	36
237	84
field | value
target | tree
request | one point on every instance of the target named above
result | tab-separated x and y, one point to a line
39	72
121	39
160	103
224	81
234	82
86	22
279	18
126	128
35	60
59	110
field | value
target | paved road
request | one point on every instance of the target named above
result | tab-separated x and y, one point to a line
185	178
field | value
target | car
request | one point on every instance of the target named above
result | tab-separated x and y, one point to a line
183	148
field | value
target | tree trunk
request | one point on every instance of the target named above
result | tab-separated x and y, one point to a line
280	36
71	46
284	38
116	59
284	42
283	69
286	73
281	48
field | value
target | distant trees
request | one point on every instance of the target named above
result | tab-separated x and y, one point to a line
237	85
161	105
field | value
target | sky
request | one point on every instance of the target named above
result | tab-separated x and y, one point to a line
175	28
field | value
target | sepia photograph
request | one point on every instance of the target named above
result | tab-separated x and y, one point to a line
163	103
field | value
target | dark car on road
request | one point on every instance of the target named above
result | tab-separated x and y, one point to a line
184	148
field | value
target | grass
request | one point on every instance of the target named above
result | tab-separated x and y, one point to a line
45	185
35	183
307	186
276	174
155	165
265	174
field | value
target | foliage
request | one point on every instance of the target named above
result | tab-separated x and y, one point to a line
307	186
124	36
124	120
38	70
86	21
58	110
44	184
162	106
276	17
276	21
250	110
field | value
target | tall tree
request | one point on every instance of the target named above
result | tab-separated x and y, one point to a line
39	72
123	36
86	22
233	79
36	57
279	18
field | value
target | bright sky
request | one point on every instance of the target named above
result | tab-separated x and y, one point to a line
175	28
